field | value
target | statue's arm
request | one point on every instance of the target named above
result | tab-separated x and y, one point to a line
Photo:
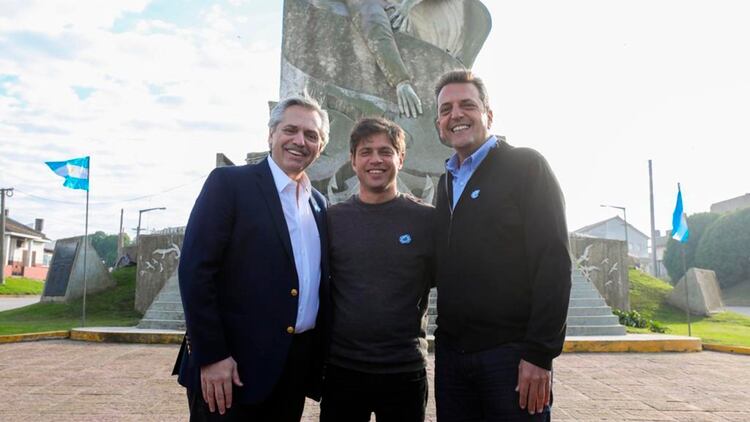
372	21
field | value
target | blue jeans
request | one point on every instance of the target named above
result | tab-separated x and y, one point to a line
480	386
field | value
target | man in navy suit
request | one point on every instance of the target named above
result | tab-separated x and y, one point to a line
254	281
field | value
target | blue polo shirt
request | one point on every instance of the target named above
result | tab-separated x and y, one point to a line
462	172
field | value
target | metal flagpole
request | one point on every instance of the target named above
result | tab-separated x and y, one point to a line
687	296
86	247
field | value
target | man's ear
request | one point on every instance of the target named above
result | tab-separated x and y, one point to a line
402	156
489	118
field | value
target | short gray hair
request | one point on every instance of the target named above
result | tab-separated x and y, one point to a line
277	114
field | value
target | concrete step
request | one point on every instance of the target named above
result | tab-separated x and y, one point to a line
577	303
161	324
585	294
168	297
166	306
589	311
593	320
601	330
164	315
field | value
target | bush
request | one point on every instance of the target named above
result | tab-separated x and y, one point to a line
634	319
697	223
725	248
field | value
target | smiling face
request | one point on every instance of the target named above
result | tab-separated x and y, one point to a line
376	163
463	123
296	141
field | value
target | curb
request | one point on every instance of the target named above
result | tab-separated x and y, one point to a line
633	346
46	335
141	337
738	350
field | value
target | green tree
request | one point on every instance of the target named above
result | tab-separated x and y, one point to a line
725	248
106	246
697	223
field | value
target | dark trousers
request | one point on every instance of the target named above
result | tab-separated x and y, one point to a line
286	402
479	386
352	396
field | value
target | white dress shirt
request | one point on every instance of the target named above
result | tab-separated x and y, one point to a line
297	204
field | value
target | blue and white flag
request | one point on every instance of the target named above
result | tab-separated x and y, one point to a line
680	230
75	172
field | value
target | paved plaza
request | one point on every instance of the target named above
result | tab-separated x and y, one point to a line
66	380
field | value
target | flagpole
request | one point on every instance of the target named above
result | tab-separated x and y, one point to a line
687	296
86	246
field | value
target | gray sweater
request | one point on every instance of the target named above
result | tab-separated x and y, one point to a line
381	263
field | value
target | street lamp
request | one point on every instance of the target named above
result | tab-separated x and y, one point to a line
140	213
625	215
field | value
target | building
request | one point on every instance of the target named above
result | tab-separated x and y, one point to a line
730	205
26	250
660	243
614	229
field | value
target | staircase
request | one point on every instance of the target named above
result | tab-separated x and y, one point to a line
165	312
588	314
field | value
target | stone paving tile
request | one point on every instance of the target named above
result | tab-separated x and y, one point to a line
65	380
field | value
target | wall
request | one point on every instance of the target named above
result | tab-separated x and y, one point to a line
35	273
158	256
604	262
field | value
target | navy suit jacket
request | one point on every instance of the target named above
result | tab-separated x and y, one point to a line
236	276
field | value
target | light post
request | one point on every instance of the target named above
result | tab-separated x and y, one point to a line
625	216
140	213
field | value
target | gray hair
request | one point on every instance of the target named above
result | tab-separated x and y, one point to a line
277	114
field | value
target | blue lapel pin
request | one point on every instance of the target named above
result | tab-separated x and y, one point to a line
315	205
405	239
475	194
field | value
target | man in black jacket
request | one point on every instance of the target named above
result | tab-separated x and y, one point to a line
503	267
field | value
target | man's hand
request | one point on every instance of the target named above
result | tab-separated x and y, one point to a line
216	384
534	387
409	104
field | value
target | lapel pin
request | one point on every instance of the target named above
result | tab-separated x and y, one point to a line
475	194
315	206
405	239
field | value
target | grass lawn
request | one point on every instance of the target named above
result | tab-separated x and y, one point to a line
113	307
21	286
738	295
648	297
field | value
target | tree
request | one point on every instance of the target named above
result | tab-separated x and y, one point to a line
725	248
697	223
106	246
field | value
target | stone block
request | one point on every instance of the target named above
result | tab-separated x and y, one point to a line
158	257
704	293
65	278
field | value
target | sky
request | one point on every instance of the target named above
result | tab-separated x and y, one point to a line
153	89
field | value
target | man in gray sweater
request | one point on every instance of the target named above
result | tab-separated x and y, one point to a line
380	253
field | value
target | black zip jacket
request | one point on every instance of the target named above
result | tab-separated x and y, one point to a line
503	262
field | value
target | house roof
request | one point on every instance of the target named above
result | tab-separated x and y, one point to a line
14	226
603	222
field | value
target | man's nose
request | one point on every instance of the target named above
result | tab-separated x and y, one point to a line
299	139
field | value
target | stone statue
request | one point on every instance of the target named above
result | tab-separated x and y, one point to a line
378	58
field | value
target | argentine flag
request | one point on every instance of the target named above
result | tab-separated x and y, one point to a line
680	230
75	172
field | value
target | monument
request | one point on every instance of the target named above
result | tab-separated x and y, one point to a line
65	276
703	292
378	58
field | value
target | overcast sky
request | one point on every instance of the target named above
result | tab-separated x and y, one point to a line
152	90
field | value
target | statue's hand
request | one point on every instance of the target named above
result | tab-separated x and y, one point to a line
409	104
399	14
